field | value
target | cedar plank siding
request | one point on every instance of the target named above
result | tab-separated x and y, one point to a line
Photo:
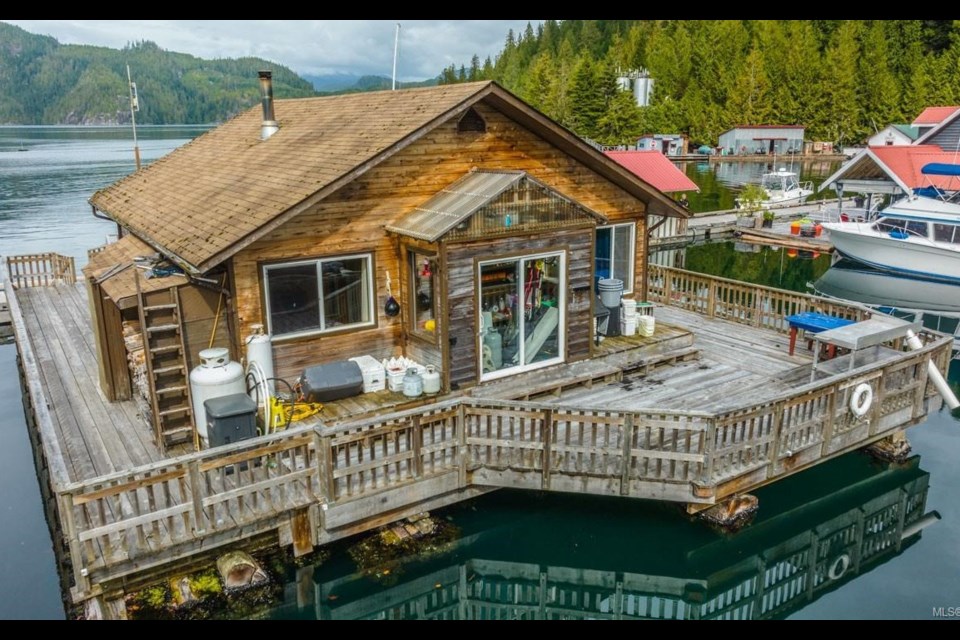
352	221
462	293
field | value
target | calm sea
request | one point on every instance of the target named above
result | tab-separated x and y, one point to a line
520	554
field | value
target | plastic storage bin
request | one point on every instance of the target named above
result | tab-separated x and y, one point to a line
374	375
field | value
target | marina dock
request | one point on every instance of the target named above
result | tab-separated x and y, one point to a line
722	224
710	407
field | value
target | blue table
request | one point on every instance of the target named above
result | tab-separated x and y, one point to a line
813	322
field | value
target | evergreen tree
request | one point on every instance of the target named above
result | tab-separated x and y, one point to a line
621	123
750	98
839	118
877	90
474	73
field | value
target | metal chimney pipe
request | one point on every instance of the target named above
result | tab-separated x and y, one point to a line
269	126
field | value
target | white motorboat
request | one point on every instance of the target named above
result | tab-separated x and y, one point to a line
918	236
783	188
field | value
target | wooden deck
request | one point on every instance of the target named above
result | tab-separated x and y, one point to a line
640	419
97	437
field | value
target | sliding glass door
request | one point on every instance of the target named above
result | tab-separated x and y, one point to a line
522	312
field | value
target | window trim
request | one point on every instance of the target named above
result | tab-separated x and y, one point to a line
318	262
412	329
627	283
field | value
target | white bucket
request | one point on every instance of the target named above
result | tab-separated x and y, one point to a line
628	326
647	325
629	308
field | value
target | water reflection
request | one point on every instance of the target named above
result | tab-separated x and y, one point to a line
569	558
937	303
721	181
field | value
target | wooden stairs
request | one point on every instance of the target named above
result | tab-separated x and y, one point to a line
167	369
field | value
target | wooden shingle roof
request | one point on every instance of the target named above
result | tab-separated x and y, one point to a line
222	191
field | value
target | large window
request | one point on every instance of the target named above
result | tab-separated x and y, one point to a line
614	253
314	296
521	314
422	296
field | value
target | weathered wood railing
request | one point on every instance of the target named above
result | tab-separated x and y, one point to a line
127	517
361	470
813	422
41	270
740	302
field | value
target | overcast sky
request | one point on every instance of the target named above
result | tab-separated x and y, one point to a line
306	46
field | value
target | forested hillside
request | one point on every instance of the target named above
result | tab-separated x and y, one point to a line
45	82
842	79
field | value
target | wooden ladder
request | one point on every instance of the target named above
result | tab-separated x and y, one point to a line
162	327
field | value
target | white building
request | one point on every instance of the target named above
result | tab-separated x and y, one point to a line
763	138
894	135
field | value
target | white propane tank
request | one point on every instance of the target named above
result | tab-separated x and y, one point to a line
216	377
260	351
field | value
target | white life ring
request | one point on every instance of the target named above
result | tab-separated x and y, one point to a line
861	399
839	567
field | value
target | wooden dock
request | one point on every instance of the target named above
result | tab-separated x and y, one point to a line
723	224
648	421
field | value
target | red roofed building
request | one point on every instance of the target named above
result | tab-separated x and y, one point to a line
654	168
891	169
932	116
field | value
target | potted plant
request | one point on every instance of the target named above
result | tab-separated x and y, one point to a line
768	219
748	204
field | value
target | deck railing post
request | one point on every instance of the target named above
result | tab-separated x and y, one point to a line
831	421
417	436
708	450
462	443
668	287
324	446
712	299
626	454
196	496
546	436
775	429
70	532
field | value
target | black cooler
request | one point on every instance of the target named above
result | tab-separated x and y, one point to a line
329	382
230	419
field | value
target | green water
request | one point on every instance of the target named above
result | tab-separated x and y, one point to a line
527	554
720	182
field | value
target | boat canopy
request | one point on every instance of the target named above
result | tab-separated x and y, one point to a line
940	169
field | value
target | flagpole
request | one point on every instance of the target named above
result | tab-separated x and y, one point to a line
396	48
134	106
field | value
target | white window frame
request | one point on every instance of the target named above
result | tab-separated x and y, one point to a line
319	262
521	281
628	282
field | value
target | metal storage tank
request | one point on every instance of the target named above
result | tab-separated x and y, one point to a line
217	376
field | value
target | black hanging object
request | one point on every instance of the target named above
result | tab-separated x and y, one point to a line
392	307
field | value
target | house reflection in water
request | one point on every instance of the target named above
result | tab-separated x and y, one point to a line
576	559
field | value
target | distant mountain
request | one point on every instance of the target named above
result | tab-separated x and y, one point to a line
332	82
45	82
366	83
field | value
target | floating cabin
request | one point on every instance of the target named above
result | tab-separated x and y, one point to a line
472	210
462	202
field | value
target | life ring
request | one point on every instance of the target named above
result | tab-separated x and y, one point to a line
861	399
839	567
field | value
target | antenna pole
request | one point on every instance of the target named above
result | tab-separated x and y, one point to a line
134	106
396	49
